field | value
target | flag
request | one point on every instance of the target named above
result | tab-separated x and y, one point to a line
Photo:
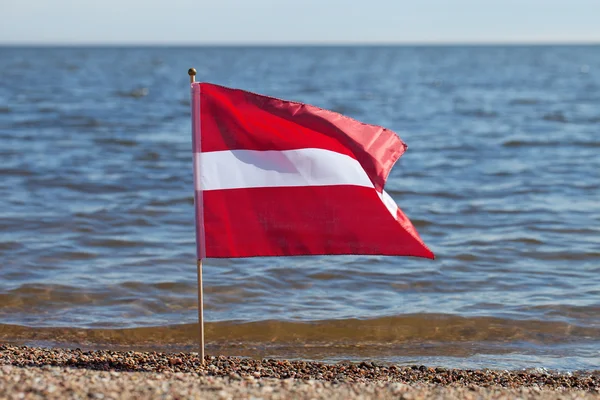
281	178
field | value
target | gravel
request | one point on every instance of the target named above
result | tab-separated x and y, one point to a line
31	373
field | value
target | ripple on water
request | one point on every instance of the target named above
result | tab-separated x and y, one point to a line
134	93
116	141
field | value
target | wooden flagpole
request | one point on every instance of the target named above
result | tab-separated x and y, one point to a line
200	313
192	74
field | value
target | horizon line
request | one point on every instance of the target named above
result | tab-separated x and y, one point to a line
305	44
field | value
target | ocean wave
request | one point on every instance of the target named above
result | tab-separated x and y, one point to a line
525	101
341	335
556	116
134	93
478	113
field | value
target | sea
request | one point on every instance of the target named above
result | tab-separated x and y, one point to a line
501	179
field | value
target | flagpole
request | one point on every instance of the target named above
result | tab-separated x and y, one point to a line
192	74
200	312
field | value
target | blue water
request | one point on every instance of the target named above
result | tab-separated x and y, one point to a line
501	179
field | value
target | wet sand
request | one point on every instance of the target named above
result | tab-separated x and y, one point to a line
27	372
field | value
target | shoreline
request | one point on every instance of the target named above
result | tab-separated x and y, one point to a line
49	372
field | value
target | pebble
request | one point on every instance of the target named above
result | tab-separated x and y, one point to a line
32	373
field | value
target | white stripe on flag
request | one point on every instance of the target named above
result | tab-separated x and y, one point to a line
389	203
236	169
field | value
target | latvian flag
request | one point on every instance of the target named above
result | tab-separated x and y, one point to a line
281	178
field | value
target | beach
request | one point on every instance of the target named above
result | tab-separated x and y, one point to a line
32	373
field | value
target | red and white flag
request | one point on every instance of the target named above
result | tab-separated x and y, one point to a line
281	178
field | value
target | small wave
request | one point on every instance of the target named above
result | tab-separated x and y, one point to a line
33	123
188	200
327	276
47	110
135	93
71	67
345	109
421	223
309	89
524	101
80	121
86	187
171	287
5	110
117	141
550	143
445	195
11	245
113	243
72	121
587	144
501	173
40	299
559	310
434	83
478	113
137	222
16	172
148	156
466	257
566	230
556	116
590	120
75	255
523	143
564	255
339	336
525	240
58	122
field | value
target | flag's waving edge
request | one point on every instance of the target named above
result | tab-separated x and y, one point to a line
276	178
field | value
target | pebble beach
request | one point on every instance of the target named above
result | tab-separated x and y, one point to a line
35	373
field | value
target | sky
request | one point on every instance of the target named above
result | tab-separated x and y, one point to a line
298	21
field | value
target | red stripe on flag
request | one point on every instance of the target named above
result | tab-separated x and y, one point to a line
233	119
306	220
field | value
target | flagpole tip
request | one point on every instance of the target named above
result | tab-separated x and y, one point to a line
192	74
